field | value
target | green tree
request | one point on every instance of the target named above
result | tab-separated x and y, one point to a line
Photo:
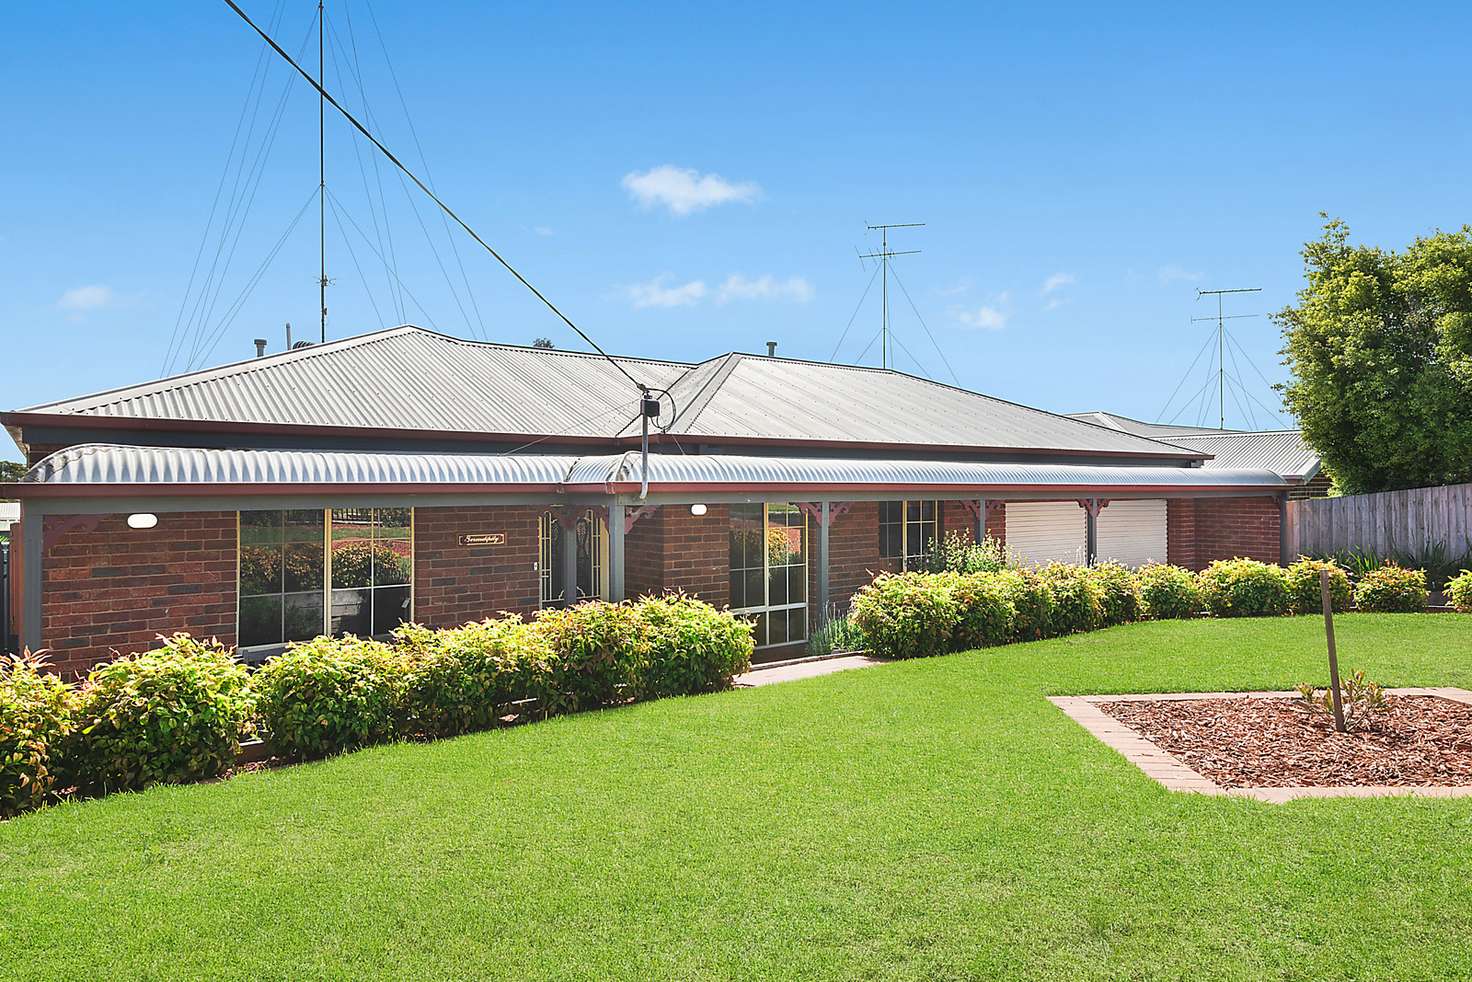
1380	345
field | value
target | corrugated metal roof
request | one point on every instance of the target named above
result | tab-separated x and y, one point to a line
407	378
402	378
158	467
1155	431
785	399
1282	451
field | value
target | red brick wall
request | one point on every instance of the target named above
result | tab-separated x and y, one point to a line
996	522
671	549
113	588
956	517
1202	530
454	583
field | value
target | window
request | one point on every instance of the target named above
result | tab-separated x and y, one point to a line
769	573
908	530
591	558
286	563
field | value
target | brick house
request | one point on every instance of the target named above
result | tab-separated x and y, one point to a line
405	474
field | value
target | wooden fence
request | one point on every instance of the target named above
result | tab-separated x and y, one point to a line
1390	522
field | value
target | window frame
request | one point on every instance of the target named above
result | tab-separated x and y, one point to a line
258	651
908	558
767	608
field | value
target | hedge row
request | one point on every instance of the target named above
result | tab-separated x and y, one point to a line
178	713
909	615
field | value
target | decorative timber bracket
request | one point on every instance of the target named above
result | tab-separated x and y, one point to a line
634	514
836	510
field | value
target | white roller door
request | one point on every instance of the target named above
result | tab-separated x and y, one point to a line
1132	532
1046	531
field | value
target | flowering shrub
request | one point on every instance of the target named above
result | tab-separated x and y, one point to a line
1308	595
1245	588
1459	592
1392	589
1119	592
1169	592
168	715
329	695
34	721
957	553
907	615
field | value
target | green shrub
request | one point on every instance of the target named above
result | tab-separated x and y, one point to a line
35	718
597	651
1032	601
168	715
1459	592
1119	591
1392	589
1308	595
957	553
692	646
986	614
1245	588
466	678
328	695
1169	592
1077	601
906	615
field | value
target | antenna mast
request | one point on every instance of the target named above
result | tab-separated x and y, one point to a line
321	174
1221	347
884	255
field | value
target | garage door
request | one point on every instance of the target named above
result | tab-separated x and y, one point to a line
1132	532
1046	531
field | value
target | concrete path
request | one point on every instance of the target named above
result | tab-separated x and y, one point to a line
804	670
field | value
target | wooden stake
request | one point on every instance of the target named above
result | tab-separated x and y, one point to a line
1333	656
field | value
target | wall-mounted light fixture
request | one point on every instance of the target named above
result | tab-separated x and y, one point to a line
142	520
697	509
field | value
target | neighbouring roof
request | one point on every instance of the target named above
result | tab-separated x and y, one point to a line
1283	451
410	379
175	470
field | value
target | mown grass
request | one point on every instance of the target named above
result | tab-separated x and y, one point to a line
928	819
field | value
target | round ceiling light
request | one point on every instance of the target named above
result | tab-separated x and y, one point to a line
697	509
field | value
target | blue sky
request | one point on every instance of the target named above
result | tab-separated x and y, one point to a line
688	181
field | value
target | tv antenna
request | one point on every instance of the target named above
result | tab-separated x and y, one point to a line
1221	344
884	255
321	175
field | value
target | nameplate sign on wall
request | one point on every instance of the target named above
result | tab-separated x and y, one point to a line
483	538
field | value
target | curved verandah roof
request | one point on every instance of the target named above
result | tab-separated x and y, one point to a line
99	470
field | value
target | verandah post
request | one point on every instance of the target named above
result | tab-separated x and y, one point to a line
824	514
615	551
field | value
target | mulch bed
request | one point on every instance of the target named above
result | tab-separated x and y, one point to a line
1256	743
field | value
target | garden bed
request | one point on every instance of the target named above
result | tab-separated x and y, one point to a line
1260	745
1238	742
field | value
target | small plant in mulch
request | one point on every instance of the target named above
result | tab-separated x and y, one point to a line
1362	699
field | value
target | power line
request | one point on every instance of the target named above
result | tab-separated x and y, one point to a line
327	96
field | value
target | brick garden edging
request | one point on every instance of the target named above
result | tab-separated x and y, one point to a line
1173	775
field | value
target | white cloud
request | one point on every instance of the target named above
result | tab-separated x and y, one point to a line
1057	282
963	285
684	190
82	299
659	293
543	230
985	318
794	289
1172	273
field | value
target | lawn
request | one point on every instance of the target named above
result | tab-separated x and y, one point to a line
926	819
